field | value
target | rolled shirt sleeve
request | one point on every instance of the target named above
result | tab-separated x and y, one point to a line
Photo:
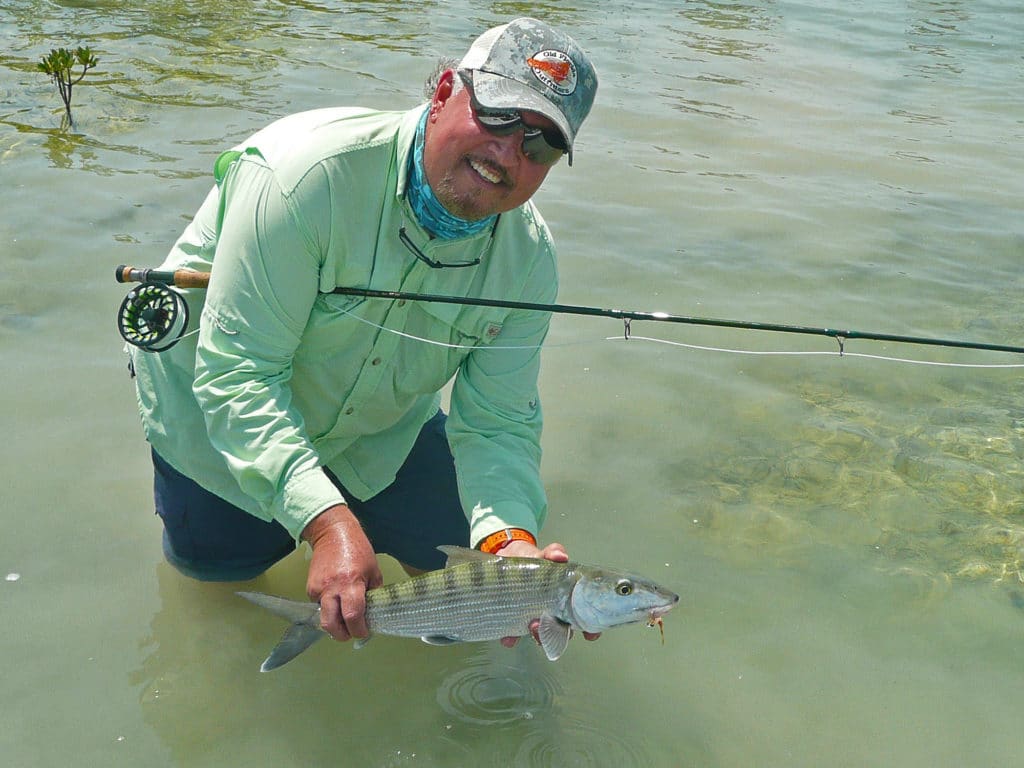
263	284
495	423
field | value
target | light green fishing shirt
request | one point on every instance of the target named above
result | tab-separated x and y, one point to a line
284	378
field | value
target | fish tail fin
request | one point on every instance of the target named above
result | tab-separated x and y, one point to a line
304	631
296	639
290	610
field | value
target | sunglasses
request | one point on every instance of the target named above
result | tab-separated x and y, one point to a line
541	146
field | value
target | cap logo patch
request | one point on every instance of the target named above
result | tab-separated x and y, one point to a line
556	70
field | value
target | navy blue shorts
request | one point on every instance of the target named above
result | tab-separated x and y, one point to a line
207	538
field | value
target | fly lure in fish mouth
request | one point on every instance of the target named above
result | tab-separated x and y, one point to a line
660	623
161	283
654	619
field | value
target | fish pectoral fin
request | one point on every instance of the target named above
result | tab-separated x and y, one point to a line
554	636
440	640
458	555
360	642
297	638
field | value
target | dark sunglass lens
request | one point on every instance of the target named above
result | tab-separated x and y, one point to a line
553	138
544	147
500	124
543	153
539	148
498	118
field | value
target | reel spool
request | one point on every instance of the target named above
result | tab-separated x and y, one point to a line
152	317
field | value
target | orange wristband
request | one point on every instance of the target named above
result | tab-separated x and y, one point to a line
493	543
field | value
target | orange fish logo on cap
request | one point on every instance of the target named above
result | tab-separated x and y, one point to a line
555	69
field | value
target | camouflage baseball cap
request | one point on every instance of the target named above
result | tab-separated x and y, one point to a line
526	65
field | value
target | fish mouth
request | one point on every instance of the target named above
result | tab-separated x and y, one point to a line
655	614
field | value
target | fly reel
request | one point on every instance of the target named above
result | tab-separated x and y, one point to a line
152	317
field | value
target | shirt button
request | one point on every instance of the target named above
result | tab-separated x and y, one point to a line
375	361
349	411
401	302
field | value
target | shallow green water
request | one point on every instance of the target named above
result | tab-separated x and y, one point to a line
847	533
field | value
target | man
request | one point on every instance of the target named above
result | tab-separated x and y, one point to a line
298	414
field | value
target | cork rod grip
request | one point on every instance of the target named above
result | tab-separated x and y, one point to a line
181	278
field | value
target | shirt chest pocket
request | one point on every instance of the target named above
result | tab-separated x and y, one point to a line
440	337
334	328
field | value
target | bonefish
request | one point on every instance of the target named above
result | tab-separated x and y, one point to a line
485	597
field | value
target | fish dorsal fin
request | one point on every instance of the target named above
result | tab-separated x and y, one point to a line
554	636
458	555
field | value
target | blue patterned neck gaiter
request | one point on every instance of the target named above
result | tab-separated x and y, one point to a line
431	215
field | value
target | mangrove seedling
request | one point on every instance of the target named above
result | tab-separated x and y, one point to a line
59	63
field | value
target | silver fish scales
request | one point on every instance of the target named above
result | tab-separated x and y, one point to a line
475	600
485	597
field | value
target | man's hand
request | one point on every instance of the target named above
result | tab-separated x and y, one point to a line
343	568
554	552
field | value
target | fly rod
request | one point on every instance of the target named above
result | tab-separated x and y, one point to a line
184	278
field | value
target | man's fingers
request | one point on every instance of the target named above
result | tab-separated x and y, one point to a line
353	610
344	617
555	552
509	642
330	618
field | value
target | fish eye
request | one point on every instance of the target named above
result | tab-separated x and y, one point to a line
624	588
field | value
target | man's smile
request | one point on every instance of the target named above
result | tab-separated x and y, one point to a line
489	172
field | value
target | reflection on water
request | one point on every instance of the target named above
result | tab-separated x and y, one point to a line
848	534
221	58
933	31
190	658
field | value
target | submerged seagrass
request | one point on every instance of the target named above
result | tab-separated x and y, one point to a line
485	597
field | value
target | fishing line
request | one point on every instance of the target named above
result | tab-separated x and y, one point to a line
404	335
844	353
698	347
